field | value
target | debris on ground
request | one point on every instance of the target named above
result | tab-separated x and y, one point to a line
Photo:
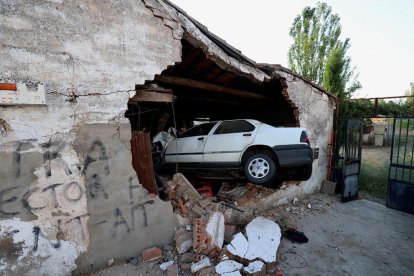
208	243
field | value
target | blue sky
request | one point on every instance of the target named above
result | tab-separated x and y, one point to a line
381	33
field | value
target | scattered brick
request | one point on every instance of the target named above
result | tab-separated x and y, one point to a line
151	254
172	270
183	208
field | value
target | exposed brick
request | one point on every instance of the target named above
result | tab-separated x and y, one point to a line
183	208
151	254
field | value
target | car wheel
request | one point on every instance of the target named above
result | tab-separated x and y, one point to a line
260	169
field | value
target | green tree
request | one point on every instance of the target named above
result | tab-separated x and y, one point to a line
315	33
318	54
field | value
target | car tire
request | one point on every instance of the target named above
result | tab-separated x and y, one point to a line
260	169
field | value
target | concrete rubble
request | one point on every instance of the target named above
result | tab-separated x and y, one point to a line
209	245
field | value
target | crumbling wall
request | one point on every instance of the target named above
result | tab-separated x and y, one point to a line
69	197
316	110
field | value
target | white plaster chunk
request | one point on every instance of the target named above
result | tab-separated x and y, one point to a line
166	265
254	267
238	245
204	262
264	239
227	267
215	229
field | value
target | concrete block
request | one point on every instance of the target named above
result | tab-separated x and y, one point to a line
151	254
181	221
184	242
215	229
328	187
197	211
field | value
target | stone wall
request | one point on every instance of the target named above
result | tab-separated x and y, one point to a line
69	197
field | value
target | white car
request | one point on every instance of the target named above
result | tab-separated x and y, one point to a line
260	150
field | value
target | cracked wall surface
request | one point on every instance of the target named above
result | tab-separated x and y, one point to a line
69	197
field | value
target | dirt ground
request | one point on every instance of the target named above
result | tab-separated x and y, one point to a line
360	237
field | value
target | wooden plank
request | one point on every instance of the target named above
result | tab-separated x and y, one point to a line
142	160
208	87
150	96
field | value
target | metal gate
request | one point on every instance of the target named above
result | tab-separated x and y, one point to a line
346	159
400	190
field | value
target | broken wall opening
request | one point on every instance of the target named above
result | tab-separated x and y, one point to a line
201	89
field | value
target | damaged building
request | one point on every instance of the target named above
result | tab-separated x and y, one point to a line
79	80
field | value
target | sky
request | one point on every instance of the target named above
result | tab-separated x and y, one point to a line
381	34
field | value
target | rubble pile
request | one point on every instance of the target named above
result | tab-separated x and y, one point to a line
206	245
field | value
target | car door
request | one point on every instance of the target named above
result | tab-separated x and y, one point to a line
188	148
228	141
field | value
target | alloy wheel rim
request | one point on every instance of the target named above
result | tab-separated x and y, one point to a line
259	168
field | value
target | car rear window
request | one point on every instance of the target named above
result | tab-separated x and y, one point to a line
234	127
200	130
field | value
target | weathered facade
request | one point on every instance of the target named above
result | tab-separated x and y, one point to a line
69	196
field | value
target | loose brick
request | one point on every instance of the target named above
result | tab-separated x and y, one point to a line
197	211
151	254
172	270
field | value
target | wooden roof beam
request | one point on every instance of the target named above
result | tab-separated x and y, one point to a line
208	87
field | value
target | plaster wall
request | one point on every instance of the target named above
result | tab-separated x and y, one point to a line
69	197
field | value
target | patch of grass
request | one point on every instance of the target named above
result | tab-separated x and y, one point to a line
373	178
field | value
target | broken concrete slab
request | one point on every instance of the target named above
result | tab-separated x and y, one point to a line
256	268
229	266
264	239
209	235
238	246
215	229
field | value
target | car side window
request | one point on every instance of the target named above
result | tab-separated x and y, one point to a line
238	126
200	130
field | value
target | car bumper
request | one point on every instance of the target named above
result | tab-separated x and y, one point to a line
294	155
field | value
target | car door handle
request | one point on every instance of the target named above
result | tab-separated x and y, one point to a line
200	139
247	134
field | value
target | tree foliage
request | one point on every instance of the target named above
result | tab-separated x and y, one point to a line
318	54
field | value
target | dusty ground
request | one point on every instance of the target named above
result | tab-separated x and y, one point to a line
356	238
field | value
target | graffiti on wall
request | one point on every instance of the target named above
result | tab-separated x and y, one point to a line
68	194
